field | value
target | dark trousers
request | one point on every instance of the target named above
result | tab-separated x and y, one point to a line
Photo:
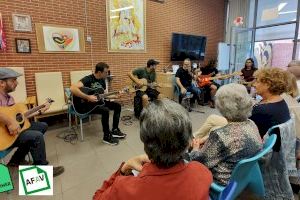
31	140
104	111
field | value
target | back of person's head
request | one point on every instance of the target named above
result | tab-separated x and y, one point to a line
166	131
294	68
292	88
273	77
234	102
100	67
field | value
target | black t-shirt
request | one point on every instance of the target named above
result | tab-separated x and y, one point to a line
91	82
209	70
184	76
248	74
270	114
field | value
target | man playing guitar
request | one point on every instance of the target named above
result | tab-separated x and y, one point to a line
211	88
149	74
31	139
93	81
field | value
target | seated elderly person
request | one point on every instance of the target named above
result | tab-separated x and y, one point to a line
273	110
237	140
166	131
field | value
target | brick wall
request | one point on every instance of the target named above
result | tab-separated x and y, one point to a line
201	17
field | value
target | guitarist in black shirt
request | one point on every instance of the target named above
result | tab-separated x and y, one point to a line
93	81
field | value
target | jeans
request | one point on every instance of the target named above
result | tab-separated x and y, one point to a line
32	139
196	91
104	111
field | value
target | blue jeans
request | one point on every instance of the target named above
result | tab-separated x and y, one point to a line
32	139
196	91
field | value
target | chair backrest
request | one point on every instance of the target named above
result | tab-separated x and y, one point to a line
77	75
288	143
50	85
247	170
20	94
228	192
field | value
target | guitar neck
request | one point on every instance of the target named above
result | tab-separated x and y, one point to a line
33	110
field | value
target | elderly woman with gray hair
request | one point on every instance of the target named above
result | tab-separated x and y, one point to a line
166	131
237	140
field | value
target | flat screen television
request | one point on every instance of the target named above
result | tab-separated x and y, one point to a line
187	46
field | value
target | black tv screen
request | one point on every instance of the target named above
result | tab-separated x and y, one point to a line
187	46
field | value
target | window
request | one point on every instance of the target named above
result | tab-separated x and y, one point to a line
276	32
276	11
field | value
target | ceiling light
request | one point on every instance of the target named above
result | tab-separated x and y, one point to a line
281	6
287	12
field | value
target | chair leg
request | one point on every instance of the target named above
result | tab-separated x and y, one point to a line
70	120
81	129
90	119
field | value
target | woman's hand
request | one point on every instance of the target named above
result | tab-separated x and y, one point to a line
135	163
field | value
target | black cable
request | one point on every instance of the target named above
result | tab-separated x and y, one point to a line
71	137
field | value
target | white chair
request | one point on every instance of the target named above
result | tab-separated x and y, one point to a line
50	85
77	75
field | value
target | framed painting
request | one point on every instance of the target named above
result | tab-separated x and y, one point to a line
23	45
59	39
126	25
22	23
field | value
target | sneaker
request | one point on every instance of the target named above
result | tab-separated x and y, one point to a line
110	140
116	133
58	171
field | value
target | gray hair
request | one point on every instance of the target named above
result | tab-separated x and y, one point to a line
165	130
233	102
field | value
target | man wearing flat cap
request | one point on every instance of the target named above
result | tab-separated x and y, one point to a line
30	140
149	74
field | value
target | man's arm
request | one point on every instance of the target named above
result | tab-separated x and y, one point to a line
134	78
182	89
12	125
75	89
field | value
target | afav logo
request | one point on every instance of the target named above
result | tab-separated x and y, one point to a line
35	180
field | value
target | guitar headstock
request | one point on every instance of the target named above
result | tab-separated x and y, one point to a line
49	100
124	90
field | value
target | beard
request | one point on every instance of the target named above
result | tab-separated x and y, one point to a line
9	89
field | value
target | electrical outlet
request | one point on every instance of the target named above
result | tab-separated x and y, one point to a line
89	39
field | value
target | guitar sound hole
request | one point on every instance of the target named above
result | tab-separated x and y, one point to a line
19	117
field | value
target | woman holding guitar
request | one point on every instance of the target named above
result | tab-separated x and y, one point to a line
28	139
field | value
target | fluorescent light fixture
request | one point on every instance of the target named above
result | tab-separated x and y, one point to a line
281	6
120	9
287	12
112	17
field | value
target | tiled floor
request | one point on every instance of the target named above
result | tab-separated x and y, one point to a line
90	162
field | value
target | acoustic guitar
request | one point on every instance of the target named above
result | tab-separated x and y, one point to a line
20	113
84	107
204	80
145	85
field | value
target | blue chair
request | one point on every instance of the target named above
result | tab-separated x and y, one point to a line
247	174
5	153
71	111
228	192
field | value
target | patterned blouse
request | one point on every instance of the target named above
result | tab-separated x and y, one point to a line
226	146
